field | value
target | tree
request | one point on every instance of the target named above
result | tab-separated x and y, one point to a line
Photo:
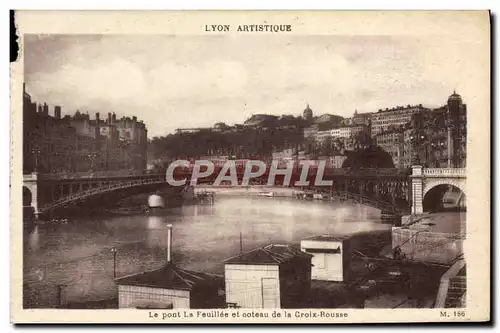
370	157
327	146
312	147
338	144
362	140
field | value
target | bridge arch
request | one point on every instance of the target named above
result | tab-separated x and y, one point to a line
430	184
434	196
27	197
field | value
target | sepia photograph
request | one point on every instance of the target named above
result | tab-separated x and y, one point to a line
250	166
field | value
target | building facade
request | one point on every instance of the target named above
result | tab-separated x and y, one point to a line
56	144
347	131
387	119
393	142
432	138
361	118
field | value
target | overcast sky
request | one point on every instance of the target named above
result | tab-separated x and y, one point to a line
194	81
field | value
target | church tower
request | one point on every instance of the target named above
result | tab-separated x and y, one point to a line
457	131
308	113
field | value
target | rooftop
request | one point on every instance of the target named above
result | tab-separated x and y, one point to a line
270	254
329	238
169	277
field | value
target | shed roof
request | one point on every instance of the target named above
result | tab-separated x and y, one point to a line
329	238
270	254
169	277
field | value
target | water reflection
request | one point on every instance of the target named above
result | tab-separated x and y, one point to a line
34	239
155	235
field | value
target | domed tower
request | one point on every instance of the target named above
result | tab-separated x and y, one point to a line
457	134
454	101
308	113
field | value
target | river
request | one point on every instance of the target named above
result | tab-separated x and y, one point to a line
78	254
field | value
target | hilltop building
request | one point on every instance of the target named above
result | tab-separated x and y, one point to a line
308	113
393	118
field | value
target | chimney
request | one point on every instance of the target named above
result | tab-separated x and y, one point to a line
57	112
169	243
113	118
97	116
45	109
109	118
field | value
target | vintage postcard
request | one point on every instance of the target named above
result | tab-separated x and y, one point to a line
250	167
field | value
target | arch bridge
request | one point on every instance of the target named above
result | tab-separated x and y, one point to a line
395	191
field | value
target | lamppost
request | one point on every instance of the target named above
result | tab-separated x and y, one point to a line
413	159
437	146
417	139
422	138
92	156
36	151
114	251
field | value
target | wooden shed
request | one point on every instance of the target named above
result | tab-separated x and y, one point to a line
170	287
274	276
331	257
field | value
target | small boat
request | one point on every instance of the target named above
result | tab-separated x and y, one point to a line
127	210
156	211
205	197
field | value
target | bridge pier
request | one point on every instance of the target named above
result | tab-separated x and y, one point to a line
31	183
417	187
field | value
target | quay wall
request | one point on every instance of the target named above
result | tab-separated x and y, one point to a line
429	246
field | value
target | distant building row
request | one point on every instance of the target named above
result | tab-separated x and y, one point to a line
53	144
434	138
410	134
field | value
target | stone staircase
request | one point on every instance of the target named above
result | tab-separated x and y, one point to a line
453	287
456	290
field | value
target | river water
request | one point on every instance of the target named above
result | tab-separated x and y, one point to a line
78	255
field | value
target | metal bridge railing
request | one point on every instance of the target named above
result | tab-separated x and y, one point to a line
327	171
102	189
369	201
92	175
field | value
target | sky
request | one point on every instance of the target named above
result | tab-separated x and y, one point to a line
174	82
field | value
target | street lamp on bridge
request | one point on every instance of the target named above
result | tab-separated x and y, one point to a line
36	151
92	156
